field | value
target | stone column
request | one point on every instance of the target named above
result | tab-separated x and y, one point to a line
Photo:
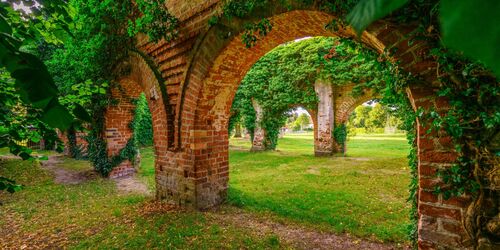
323	143
259	135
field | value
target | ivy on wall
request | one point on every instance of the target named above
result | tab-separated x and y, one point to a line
103	34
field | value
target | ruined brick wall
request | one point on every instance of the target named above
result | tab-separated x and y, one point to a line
81	142
200	73
117	121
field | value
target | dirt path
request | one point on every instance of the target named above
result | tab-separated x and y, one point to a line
132	185
65	176
125	185
296	236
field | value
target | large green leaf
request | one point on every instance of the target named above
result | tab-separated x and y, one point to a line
367	11
81	113
4	26
35	86
57	116
473	27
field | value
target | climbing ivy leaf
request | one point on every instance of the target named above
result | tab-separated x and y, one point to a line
367	11
472	28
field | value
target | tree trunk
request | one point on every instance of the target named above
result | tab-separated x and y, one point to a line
237	130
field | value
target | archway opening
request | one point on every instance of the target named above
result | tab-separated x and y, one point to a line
363	195
142	127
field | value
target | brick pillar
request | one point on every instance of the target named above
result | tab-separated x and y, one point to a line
117	126
323	139
259	135
440	220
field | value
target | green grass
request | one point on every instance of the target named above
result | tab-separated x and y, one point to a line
94	215
362	194
75	165
147	169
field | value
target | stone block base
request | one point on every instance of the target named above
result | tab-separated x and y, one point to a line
323	153
123	170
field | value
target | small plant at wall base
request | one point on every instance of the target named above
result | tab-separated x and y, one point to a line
340	136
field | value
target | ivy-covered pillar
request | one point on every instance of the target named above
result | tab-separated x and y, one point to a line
259	135
323	139
118	133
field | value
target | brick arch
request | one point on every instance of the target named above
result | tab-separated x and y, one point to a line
140	78
345	103
198	172
214	79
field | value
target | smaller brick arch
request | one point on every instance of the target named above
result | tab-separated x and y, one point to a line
345	102
141	78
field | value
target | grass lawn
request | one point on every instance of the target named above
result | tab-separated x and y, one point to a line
93	215
363	194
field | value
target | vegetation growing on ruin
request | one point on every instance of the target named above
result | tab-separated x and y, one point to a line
470	85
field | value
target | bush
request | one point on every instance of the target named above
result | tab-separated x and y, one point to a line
143	124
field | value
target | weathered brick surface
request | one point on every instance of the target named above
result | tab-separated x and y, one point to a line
201	71
324	122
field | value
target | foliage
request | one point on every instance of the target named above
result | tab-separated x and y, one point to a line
359	116
377	118
33	83
142	125
242	112
28	95
368	11
473	122
9	185
90	61
75	151
370	119
243	9
302	121
340	136
19	122
458	23
154	20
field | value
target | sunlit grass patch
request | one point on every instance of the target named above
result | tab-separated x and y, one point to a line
362	194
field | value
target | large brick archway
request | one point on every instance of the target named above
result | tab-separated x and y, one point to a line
140	78
201	72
